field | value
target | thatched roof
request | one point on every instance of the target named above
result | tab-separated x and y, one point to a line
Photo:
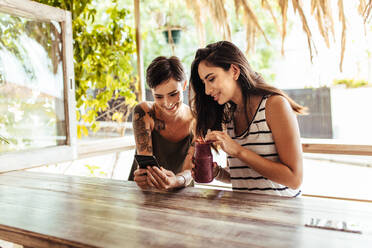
320	10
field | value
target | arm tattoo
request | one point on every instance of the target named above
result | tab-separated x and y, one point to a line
141	133
158	124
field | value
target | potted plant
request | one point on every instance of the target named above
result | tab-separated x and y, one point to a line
170	26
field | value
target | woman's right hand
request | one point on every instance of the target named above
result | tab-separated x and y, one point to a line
140	177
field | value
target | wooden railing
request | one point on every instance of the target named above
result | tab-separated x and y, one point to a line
331	147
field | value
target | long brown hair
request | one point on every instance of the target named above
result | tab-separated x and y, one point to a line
208	113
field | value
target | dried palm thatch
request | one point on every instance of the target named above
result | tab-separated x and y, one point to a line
362	6
323	16
320	9
365	10
283	4
216	10
297	6
342	18
251	23
219	17
197	8
266	5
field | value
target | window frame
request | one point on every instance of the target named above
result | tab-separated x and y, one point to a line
36	157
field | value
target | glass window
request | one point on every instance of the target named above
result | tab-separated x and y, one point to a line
37	100
32	111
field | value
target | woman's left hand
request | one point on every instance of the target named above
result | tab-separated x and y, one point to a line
224	141
162	179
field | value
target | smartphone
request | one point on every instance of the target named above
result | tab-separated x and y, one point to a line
334	225
146	160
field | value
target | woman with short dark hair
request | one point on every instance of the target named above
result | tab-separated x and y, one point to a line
163	128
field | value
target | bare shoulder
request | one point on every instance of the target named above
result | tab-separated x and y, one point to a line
141	111
277	103
189	117
143	106
277	109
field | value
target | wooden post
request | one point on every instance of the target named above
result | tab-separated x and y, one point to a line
137	20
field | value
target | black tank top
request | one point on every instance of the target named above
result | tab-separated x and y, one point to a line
170	155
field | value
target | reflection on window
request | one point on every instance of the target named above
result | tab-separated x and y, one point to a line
31	84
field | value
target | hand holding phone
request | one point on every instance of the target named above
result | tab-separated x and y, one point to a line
146	160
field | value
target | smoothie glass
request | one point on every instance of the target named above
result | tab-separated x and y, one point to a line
203	159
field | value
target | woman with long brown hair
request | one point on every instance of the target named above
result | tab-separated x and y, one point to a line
253	122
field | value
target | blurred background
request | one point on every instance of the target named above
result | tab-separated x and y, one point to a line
319	52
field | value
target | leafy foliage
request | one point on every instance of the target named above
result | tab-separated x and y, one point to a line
102	54
154	43
10	29
94	170
351	83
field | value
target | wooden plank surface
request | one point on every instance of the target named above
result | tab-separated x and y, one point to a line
40	209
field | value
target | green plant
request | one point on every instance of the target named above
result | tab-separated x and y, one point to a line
102	55
94	169
154	43
351	83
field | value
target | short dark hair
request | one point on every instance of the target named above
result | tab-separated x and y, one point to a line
162	69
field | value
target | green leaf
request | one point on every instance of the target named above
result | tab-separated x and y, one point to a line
103	49
79	131
85	130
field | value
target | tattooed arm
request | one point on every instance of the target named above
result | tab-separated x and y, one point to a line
142	130
142	134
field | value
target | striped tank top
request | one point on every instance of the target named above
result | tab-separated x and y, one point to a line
260	141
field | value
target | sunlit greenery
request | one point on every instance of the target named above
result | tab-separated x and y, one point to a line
154	42
103	45
352	83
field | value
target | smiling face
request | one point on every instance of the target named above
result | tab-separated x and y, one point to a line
168	96
220	84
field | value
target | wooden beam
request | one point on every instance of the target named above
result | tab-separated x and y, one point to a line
69	81
141	81
346	149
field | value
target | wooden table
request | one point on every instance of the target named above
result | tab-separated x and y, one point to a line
48	210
